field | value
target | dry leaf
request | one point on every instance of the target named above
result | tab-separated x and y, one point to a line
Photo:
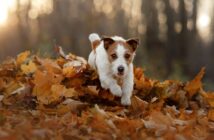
138	106
67	102
28	68
209	96
211	114
22	57
195	85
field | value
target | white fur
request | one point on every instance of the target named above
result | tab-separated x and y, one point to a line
120	61
93	37
91	59
98	59
118	38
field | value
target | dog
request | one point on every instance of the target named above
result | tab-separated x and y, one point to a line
112	57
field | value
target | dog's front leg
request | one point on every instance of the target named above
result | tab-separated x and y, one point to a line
127	87
109	83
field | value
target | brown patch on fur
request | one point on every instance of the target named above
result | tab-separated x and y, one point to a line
95	44
133	43
119	81
130	52
111	51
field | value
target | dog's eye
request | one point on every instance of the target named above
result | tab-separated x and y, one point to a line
114	56
127	56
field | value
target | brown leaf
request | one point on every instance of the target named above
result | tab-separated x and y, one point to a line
138	106
2	83
69	105
105	94
16	94
141	82
211	114
128	126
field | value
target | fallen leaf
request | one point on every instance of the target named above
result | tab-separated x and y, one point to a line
22	57
211	114
209	96
47	87
28	68
138	106
69	105
1	97
195	85
62	98
70	92
69	72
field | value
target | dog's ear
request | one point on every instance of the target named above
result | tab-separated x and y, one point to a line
107	41
133	43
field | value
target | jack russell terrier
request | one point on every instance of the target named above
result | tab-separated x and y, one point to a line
112	57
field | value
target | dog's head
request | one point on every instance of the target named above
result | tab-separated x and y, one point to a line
120	52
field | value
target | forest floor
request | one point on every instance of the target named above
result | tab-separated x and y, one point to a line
43	98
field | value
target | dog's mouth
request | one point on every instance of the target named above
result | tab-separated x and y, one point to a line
120	74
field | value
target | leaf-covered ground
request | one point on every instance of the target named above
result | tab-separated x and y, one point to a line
42	98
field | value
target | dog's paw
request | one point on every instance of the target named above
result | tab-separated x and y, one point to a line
125	101
104	85
116	90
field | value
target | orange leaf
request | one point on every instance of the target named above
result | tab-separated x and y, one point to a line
69	72
209	96
211	115
47	87
138	105
195	85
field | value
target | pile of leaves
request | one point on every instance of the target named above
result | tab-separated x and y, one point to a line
43	98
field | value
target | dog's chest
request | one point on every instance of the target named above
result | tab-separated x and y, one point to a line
119	80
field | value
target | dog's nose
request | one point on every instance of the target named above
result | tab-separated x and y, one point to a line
120	69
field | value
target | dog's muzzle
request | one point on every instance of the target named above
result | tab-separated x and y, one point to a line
120	70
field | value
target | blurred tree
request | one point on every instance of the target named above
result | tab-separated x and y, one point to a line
183	37
171	46
23	23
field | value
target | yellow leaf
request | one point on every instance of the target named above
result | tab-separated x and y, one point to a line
57	91
28	68
70	92
11	87
21	58
69	72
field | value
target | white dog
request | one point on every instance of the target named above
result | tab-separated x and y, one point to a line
112	57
